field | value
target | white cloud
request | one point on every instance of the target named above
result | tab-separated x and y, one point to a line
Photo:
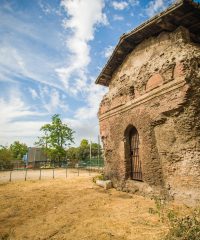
108	51
141	15
14	107
93	97
118	18
134	2
20	122
85	121
15	22
20	58
83	17
11	60
20	61
84	129
33	93
119	5
13	125
48	9
23	63
156	6
52	100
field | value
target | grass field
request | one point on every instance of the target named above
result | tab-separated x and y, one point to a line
74	209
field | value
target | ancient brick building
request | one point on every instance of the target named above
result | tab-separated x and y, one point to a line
150	118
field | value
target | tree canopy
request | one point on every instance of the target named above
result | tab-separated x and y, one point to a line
18	149
56	136
5	158
9	155
82	152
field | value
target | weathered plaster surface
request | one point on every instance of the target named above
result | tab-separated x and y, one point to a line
156	90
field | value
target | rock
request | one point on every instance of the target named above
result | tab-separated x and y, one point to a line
105	184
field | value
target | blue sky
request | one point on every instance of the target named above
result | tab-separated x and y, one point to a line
51	52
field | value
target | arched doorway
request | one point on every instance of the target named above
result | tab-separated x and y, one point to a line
136	166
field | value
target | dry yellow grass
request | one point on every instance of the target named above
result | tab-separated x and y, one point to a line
75	209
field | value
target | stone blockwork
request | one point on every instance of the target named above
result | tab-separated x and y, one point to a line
157	90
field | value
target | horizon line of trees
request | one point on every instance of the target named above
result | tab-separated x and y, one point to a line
56	141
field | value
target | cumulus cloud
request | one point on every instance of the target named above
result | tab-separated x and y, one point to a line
85	121
83	17
93	98
119	5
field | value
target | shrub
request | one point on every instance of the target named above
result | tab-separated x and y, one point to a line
184	228
180	227
160	208
98	177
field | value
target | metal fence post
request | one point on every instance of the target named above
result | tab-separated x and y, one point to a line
10	175
66	171
25	174
90	168
53	172
40	174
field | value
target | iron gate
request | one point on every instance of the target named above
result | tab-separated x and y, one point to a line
136	168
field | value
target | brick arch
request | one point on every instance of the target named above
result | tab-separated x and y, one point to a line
150	162
154	81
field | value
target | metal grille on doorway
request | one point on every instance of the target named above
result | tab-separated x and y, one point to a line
136	168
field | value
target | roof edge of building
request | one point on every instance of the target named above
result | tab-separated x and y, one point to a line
125	46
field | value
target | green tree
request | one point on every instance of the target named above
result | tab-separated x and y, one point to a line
5	158
84	143
96	150
84	150
56	136
72	155
44	142
18	150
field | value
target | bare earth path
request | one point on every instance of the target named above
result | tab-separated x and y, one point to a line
74	209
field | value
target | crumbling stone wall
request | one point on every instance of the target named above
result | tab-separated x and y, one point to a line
156	90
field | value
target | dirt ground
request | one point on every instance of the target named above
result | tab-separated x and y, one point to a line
74	209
